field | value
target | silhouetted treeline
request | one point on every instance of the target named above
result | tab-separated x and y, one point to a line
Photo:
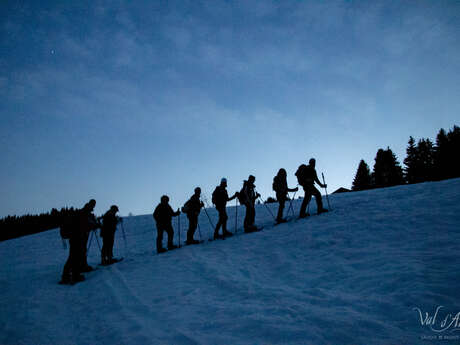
424	161
13	226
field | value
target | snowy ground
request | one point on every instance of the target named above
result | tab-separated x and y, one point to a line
353	276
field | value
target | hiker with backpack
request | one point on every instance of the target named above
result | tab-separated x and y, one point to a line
247	197
280	186
71	231
192	209
87	223
163	216
76	227
220	199
109	226
306	176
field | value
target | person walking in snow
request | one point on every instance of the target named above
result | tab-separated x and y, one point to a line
71	272
281	188
192	208
87	223
78	228
163	216
109	226
248	197
220	199
306	176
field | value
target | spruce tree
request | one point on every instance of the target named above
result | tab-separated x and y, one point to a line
453	152
425	160
387	170
362	178
441	155
378	174
410	162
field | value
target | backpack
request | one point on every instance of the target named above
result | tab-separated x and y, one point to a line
276	184
301	174
68	225
215	196
242	195
186	207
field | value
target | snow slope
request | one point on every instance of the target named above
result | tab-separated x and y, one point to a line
353	276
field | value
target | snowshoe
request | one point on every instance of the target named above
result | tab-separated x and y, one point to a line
87	268
280	221
324	210
218	237
172	247
227	234
252	229
187	243
161	250
77	279
66	281
115	260
305	215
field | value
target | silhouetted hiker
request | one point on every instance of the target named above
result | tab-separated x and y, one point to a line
163	215
71	272
220	199
306	175
192	208
281	188
87	223
109	226
247	197
77	226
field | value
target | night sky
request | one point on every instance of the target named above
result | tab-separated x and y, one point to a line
124	101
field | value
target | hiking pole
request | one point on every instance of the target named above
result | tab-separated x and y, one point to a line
97	240
327	197
178	226
205	211
209	218
199	230
290	204
124	235
236	214
156	228
89	244
267	208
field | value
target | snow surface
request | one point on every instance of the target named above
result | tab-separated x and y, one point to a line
352	276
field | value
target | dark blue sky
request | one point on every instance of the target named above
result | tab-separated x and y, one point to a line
125	101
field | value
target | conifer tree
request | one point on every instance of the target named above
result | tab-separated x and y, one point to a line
410	162
425	161
387	170
441	156
453	152
362	178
